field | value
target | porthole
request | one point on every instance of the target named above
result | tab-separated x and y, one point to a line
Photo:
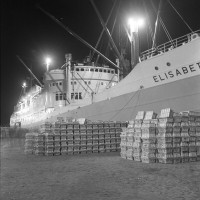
156	68
168	64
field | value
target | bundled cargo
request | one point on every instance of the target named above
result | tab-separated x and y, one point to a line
166	113
49	143
140	115
39	147
164	137
29	143
45	127
123	144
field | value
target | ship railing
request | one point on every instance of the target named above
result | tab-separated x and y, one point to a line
168	46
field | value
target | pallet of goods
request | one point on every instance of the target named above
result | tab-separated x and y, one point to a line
29	143
76	137
168	138
149	130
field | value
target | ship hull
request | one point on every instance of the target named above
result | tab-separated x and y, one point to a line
181	95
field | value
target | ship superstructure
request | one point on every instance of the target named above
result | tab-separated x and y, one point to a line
71	87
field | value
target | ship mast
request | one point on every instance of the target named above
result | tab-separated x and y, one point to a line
134	40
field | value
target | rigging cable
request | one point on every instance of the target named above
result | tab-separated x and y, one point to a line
127	103
107	48
163	25
97	44
180	15
156	25
149	25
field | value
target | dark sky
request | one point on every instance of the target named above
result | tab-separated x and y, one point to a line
29	33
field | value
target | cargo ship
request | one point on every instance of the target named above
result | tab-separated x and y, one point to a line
167	76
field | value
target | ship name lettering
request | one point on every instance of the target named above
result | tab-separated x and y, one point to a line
192	68
176	73
198	64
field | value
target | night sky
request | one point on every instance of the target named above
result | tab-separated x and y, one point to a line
29	33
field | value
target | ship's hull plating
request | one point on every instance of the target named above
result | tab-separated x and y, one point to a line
182	95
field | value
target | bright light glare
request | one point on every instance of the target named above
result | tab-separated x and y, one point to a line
140	22
48	61
24	84
135	23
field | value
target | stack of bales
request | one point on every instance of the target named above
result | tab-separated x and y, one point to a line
73	138
129	143
48	138
90	135
77	138
149	138
194	139
29	143
123	137
137	144
101	138
70	138
178	151
63	137
197	130
57	144
171	138
95	138
164	137
39	146
83	137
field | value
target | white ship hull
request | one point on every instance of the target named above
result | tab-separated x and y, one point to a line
183	95
168	80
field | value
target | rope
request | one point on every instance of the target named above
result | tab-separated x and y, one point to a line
125	104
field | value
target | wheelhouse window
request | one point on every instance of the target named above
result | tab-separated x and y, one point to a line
80	95
76	95
61	96
56	97
77	69
96	70
91	69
